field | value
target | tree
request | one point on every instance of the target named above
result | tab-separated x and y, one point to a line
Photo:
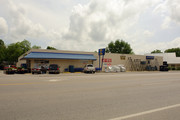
15	50
36	47
156	51
119	47
2	51
51	48
25	45
176	50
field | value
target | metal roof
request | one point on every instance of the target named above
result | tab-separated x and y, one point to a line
51	55
169	57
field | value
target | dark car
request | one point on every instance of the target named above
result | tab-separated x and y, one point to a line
54	68
39	70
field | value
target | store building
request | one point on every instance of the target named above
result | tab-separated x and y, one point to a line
131	62
170	58
78	59
40	57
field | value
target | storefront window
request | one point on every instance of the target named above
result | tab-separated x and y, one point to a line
42	63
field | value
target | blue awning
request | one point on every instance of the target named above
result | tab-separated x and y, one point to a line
50	55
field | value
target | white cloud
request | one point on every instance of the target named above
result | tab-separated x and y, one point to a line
174	7
170	11
90	26
148	33
20	26
101	21
147	48
3	26
174	43
166	23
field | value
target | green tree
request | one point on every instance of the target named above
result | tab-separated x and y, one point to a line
51	48
176	50
25	45
15	50
36	47
2	51
119	47
156	51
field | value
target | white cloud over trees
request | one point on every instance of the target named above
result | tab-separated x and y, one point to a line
91	25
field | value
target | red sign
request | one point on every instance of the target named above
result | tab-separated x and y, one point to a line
107	60
109	64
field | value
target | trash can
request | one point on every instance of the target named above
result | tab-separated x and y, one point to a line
71	68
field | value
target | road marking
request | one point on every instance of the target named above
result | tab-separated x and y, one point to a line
19	83
6	84
146	112
54	80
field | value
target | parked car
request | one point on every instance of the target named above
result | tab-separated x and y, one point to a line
39	70
10	69
21	70
54	68
25	68
89	68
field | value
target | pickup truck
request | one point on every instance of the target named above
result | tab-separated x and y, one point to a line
89	68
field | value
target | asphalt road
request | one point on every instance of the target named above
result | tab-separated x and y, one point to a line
100	96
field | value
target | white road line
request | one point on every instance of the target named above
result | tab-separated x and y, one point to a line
146	112
54	80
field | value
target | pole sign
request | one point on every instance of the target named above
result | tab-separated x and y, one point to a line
102	51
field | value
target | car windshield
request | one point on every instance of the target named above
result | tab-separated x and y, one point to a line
37	67
53	67
89	65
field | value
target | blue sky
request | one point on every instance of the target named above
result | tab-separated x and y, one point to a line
87	25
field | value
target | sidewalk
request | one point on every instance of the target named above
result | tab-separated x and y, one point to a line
1	72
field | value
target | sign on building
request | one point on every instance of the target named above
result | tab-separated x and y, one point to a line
123	57
109	60
149	57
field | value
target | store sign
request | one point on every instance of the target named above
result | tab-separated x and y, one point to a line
101	51
150	57
123	57
109	60
106	64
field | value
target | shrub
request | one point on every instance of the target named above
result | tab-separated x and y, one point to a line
169	68
173	68
178	68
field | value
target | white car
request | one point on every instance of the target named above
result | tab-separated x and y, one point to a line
89	68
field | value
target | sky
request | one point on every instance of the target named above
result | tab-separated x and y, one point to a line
88	25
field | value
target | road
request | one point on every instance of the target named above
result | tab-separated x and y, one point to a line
100	96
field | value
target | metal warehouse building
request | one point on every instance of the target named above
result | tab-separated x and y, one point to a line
78	59
172	60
